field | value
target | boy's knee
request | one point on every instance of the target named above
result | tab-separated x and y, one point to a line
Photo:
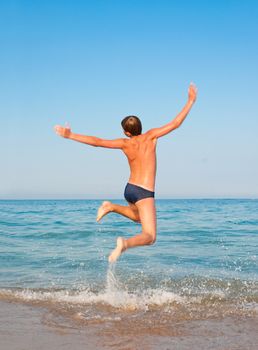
150	239
153	240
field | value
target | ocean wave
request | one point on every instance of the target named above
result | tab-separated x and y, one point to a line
186	292
119	299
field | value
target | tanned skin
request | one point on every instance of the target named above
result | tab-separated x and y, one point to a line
141	154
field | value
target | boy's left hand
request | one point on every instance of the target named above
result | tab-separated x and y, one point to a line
63	131
192	92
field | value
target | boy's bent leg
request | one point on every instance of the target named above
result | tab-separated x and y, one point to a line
123	244
130	211
147	213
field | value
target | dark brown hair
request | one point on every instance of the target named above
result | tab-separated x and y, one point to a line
132	124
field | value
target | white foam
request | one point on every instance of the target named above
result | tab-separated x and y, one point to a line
114	295
116	298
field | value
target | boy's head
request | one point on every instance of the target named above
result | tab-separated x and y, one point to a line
132	126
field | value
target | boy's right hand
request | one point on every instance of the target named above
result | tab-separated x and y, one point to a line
192	93
63	131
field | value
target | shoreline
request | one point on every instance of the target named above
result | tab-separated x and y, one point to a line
25	326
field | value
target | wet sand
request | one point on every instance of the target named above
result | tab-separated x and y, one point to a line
24	326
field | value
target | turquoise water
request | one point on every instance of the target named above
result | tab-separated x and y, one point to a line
206	255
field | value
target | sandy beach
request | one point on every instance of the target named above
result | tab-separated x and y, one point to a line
24	326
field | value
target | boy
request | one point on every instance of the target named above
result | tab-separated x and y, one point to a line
140	150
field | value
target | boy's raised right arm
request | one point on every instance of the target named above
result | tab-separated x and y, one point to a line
89	140
178	120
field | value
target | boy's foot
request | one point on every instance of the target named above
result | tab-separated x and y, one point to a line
120	248
103	210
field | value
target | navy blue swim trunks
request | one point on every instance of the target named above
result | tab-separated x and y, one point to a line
134	193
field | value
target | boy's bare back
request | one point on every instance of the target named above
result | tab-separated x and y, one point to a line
141	154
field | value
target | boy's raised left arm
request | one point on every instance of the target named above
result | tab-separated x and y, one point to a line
178	120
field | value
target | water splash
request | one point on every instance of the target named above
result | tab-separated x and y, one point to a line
112	283
119	294
115	293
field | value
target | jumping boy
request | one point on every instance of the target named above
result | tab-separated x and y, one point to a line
140	150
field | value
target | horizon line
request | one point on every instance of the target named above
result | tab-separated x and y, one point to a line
103	199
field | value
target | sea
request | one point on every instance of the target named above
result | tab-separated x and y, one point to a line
202	270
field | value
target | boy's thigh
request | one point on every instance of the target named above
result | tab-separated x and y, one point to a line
135	210
133	207
147	213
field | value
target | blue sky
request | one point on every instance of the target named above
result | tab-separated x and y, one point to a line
93	62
